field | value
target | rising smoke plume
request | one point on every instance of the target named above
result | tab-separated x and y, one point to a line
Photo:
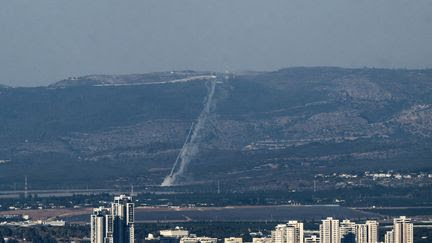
190	147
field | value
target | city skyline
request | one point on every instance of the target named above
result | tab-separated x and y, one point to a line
116	225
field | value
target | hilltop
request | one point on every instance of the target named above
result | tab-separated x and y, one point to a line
265	130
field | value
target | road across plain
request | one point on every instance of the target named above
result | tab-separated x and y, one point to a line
239	213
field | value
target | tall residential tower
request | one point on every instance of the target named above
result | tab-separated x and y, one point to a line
291	232
329	231
115	224
403	230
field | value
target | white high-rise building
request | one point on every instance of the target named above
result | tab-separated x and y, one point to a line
403	230
114	225
361	233
367	232
329	231
346	226
295	232
122	211
291	232
279	234
100	223
389	237
372	231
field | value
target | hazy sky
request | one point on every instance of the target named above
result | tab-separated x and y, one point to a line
44	41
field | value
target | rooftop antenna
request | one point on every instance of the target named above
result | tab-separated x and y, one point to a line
132	191
218	189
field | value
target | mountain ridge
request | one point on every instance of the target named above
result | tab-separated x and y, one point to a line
262	126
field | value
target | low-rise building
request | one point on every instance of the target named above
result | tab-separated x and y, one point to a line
312	239
233	240
174	233
262	240
198	240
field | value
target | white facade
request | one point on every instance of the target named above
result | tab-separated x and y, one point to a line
176	233
364	233
198	240
312	239
329	231
389	237
291	232
346	227
279	235
98	221
403	230
262	240
114	225
372	231
361	233
295	232
233	240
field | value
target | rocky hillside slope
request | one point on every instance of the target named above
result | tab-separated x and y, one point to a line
263	130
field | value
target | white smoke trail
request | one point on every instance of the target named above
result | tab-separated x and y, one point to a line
190	148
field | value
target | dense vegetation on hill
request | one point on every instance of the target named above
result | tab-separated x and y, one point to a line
267	130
